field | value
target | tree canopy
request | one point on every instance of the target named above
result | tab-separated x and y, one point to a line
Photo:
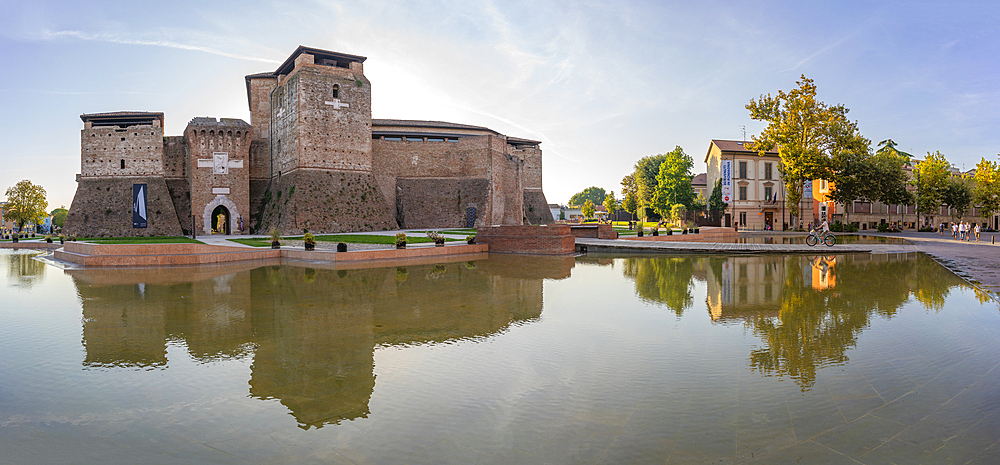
629	189
958	193
931	179
59	216
587	209
986	189
673	183
593	193
610	203
644	176
807	134
715	202
26	204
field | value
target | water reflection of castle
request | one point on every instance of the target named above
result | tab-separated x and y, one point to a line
312	332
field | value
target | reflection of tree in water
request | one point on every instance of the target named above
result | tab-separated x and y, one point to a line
23	270
814	328
663	280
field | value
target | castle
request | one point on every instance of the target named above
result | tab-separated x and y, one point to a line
311	158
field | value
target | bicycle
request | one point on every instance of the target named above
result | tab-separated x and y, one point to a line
815	237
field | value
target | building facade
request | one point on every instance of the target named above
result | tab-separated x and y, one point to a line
758	194
311	158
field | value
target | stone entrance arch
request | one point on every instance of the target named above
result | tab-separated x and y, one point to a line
225	202
220	220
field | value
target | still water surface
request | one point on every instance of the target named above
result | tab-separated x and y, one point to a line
660	359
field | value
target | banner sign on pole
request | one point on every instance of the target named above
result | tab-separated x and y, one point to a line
139	206
727	181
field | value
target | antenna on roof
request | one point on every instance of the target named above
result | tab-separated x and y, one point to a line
744	128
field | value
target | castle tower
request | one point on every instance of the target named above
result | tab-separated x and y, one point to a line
118	152
219	156
318	138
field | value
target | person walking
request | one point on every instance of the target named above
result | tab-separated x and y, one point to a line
977	229
954	230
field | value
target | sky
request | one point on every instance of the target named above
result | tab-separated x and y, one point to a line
601	84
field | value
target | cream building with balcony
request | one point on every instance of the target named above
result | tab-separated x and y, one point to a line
758	193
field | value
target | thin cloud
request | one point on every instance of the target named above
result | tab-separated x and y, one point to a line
818	53
116	39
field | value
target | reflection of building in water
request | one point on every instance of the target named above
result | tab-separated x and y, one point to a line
740	284
823	276
312	332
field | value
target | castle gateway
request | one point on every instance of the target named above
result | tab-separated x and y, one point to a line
312	158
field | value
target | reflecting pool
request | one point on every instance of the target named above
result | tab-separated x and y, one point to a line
841	239
501	359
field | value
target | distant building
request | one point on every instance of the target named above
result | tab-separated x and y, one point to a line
699	183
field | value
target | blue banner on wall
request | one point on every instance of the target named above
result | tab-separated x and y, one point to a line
139	216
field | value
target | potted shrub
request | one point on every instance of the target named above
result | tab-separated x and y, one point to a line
62	239
73	238
656	231
15	239
670	231
639	234
48	239
436	237
309	240
471	239
341	247
275	238
400	240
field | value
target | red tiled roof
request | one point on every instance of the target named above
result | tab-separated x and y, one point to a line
736	146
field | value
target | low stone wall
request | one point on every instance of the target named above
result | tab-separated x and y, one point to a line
118	255
704	235
594	231
541	240
29	245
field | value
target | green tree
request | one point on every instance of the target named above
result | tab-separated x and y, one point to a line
593	193
715	202
958	193
678	213
853	179
610	204
26	204
673	182
59	216
587	209
631	201
890	182
986	187
931	179
807	133
644	176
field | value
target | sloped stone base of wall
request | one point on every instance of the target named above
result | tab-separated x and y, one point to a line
103	207
325	201
440	202
536	208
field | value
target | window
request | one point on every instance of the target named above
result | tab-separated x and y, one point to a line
743	192
743	171
336	91
123	164
767	171
743	219
768	190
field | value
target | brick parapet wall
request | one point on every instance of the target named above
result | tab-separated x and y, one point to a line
541	240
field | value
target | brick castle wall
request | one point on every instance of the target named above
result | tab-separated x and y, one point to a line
325	201
121	151
207	137
439	202
103	207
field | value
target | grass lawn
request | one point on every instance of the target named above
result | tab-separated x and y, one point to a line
459	231
262	242
140	240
